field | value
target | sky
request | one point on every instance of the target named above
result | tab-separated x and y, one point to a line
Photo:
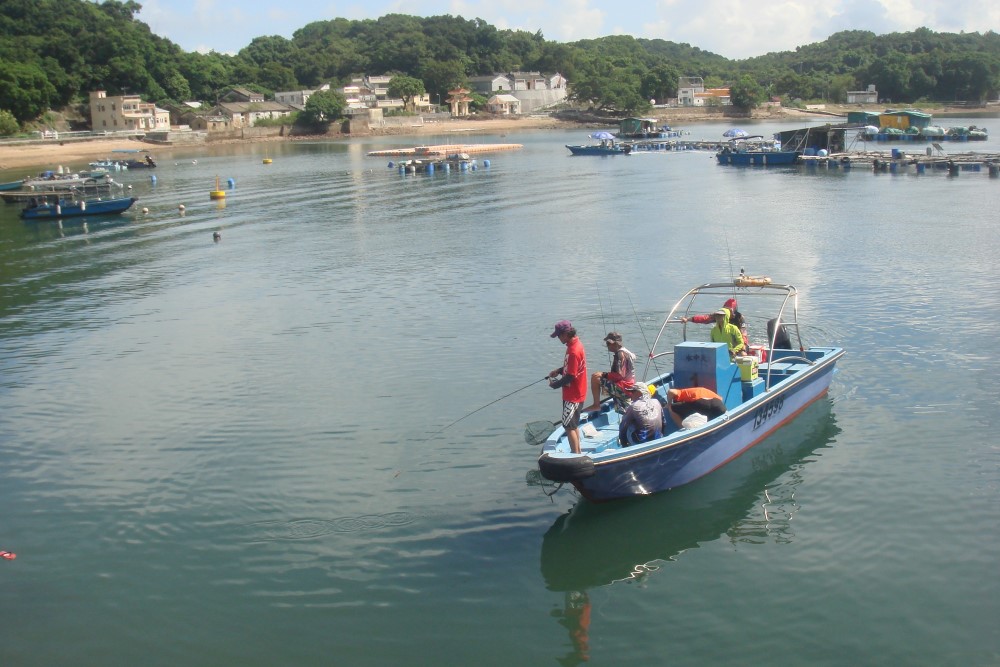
735	29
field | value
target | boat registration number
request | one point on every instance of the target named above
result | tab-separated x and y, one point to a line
767	411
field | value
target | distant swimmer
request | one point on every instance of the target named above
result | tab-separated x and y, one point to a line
216	236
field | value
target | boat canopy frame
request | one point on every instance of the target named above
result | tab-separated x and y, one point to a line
685	307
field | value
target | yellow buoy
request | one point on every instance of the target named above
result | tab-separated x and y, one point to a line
217	193
266	160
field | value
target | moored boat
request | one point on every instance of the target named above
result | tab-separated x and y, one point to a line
600	149
756	150
12	185
146	163
761	394
51	180
55	207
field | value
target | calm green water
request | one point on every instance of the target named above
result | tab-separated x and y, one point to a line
232	453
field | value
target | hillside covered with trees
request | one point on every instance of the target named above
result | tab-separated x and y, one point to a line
53	52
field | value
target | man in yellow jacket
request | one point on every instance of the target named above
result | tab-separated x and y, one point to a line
725	332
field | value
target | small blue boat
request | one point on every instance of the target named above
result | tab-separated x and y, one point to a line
761	393
65	208
13	185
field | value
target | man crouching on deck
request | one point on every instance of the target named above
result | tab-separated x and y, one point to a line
573	381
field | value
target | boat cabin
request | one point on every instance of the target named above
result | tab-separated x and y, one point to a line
638	127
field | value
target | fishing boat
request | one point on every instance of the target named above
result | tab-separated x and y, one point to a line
86	191
55	208
756	150
146	163
605	143
12	185
605	148
762	393
51	180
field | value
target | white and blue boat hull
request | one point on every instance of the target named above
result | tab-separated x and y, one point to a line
674	461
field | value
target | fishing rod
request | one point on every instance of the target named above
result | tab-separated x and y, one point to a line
604	323
490	403
732	277
639	324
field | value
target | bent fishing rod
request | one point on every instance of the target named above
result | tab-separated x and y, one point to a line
491	403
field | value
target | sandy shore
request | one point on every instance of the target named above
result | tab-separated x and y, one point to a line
76	154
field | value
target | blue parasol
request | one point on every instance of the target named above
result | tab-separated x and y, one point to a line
602	136
735	133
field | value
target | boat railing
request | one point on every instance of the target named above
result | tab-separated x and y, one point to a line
680	314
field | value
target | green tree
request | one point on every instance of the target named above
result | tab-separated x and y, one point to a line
660	83
746	93
610	87
25	90
405	88
8	124
440	77
323	107
276	76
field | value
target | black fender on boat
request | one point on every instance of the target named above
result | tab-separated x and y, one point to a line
565	469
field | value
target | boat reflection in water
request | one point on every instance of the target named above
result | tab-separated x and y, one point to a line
752	499
596	544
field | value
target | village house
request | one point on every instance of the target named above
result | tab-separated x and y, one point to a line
297	98
242	108
211	123
713	96
125	113
504	105
687	88
533	90
691	92
869	96
370	92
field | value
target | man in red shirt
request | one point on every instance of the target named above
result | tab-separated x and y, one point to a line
573	381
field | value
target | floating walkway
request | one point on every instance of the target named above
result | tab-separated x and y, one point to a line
444	150
899	162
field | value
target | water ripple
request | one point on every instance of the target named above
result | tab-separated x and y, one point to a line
310	528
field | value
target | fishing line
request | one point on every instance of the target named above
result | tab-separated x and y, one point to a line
639	324
489	404
600	302
604	324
